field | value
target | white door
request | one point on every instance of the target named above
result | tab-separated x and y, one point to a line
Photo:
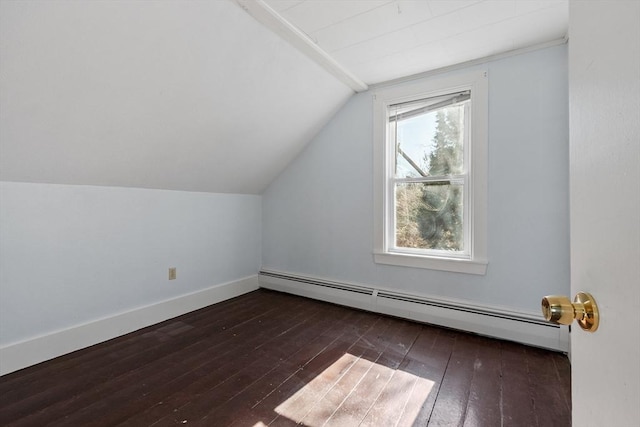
604	99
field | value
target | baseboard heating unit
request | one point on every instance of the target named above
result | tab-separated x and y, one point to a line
523	327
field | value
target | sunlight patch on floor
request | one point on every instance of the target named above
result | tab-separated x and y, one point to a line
353	388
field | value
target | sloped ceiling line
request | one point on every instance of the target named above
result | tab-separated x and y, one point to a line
259	10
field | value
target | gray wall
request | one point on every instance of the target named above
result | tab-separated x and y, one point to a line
318	214
76	254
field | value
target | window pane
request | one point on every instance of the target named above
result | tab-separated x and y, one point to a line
431	143
429	216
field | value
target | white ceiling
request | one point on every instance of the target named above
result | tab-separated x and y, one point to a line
198	95
180	95
380	40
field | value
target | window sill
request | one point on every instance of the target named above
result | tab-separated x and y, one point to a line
432	263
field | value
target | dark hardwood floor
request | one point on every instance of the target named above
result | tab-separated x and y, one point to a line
268	358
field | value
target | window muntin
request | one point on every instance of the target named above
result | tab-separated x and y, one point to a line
401	172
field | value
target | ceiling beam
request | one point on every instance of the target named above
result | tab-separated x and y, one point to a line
301	41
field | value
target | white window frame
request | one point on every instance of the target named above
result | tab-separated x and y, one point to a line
474	260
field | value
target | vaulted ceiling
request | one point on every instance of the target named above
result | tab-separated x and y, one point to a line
180	95
200	95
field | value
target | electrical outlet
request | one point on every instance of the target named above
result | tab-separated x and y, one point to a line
172	273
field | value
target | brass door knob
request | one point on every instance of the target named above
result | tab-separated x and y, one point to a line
560	310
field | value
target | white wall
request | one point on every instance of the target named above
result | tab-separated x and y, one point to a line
71	255
318	218
604	82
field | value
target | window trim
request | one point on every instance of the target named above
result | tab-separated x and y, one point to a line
476	263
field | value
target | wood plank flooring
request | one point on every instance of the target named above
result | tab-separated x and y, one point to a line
267	358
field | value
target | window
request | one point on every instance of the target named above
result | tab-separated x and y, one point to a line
430	170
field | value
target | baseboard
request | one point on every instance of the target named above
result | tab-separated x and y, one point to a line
30	352
493	321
